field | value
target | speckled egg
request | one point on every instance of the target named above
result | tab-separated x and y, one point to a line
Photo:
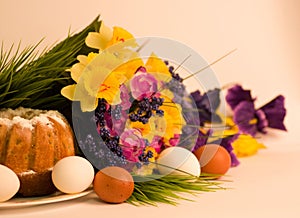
213	158
113	184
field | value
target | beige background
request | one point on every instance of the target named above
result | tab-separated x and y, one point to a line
266	34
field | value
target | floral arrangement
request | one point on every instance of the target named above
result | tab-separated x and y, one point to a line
127	110
140	108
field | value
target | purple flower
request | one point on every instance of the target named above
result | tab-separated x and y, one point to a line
207	105
132	144
244	117
236	95
227	144
143	85
275	112
202	139
249	120
234	161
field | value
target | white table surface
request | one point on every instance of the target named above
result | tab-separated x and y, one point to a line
266	34
265	185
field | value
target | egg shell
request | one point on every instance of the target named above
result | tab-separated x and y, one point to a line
178	158
113	184
72	174
213	159
9	183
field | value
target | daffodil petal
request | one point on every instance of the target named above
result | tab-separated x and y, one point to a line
112	95
155	65
105	32
246	145
76	71
121	35
129	68
68	92
82	59
88	103
95	40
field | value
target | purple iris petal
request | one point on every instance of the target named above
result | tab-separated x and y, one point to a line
244	114
262	122
226	142
275	112
207	105
234	161
236	95
211	99
202	139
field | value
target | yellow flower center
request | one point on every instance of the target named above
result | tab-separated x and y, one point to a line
253	121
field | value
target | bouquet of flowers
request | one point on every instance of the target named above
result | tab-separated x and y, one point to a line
142	107
129	108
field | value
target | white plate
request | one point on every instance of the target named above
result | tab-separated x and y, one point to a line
33	201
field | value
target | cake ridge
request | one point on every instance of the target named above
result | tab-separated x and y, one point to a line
31	142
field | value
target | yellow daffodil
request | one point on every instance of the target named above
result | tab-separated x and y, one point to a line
246	145
230	129
173	120
103	78
99	40
76	71
154	64
130	67
230	123
119	35
160	71
143	128
165	126
107	37
110	88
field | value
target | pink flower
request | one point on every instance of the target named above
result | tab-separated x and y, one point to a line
116	126
157	143
132	144
143	85
175	140
126	104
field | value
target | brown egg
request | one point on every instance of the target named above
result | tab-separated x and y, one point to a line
113	184
213	159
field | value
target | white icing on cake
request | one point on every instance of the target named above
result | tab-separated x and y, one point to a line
22	122
54	116
43	119
6	122
31	172
28	118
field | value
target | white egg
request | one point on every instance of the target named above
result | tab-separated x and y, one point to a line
9	183
72	174
178	158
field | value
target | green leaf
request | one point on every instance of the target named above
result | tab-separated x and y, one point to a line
34	80
154	189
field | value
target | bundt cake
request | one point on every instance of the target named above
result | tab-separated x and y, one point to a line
31	142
